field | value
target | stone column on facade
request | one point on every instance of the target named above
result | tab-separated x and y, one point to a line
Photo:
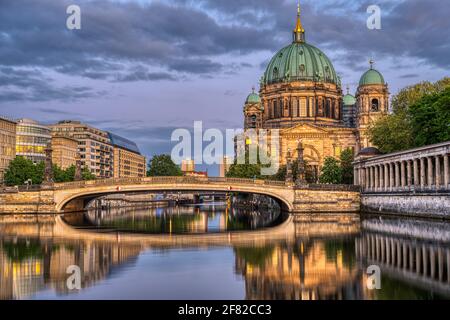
430	172
422	173
300	165
391	177
424	260
386	177
416	173
372	178
397	176
408	175
438	172
446	174
377	180
418	260
402	175
367	178
381	186
78	174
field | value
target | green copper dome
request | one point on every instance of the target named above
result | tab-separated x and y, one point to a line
253	98
371	76
349	100
300	61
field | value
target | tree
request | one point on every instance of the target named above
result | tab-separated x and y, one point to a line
331	171
21	170
430	119
246	170
85	174
414	121
162	165
346	159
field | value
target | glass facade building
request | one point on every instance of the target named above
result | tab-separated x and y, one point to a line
31	139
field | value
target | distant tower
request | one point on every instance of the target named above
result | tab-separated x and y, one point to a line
253	111
372	100
349	109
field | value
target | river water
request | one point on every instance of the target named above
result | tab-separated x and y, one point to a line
215	252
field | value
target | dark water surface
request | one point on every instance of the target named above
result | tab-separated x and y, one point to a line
314	257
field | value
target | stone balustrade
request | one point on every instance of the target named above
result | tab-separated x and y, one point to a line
424	169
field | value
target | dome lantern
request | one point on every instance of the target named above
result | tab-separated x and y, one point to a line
299	32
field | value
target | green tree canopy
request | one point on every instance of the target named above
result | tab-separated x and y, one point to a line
21	170
346	163
162	165
420	116
331	171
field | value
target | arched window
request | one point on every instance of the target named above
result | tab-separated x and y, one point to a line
375	105
302	69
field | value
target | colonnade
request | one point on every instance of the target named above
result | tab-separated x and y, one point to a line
426	168
423	259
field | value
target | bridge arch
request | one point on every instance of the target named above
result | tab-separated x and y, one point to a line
70	192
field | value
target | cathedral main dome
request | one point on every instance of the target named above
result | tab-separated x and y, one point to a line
300	61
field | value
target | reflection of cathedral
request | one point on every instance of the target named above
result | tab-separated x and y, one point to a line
301	94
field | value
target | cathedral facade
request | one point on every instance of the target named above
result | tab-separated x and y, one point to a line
301	95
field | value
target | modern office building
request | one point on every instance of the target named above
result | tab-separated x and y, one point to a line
94	146
7	144
65	151
128	161
31	139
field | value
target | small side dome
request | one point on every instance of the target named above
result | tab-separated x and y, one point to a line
349	100
371	76
369	151
253	98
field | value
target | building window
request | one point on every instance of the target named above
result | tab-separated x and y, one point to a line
375	105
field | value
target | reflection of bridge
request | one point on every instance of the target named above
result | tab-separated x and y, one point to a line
72	195
420	262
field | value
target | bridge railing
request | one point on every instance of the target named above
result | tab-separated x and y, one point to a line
164	180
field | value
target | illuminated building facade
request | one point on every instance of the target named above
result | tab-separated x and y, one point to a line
7	144
65	151
31	139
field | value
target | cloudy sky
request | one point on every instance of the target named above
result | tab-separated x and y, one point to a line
142	68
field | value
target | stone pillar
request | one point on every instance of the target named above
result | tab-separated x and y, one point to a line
301	165
446	173
48	170
440	264
377	180
424	260
418	259
381	187
430	172
366	178
386	177
416	173
372	180
422	173
397	176
432	263
408	175
438	172
78	172
402	175
391	177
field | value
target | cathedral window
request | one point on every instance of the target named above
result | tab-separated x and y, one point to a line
375	105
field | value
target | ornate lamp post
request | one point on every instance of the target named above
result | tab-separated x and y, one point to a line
289	175
301	180
48	170
78	176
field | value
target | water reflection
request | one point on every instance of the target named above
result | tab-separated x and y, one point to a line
322	257
214	217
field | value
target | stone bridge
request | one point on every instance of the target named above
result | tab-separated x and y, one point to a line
72	196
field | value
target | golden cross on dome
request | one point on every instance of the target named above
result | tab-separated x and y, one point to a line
371	62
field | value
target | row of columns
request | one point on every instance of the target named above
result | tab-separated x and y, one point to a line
425	173
423	259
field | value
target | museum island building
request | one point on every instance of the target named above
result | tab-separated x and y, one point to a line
301	95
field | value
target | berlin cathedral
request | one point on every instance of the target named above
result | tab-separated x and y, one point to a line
301	95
